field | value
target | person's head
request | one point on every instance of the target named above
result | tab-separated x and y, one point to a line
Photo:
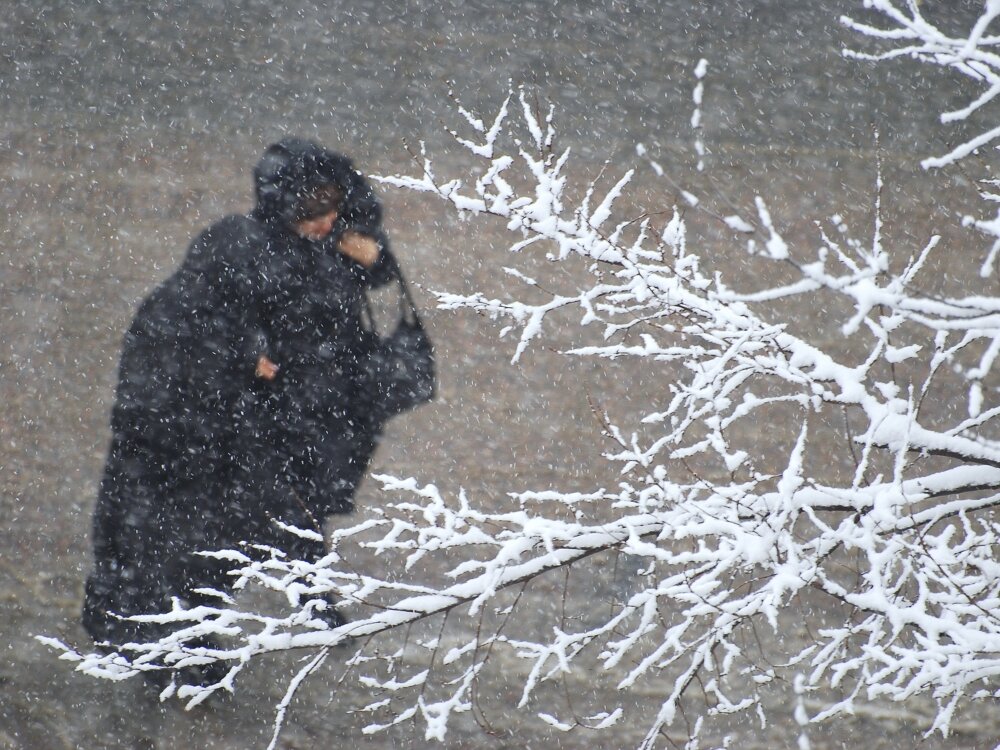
316	211
302	185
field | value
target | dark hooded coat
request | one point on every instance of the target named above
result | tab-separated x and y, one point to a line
204	455
310	421
187	363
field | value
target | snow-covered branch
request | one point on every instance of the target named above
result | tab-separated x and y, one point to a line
771	463
909	33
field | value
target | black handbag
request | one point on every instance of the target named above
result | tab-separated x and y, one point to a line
397	369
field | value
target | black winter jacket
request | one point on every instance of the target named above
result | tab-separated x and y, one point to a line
204	454
310	298
187	363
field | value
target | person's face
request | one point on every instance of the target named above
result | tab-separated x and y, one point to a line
316	228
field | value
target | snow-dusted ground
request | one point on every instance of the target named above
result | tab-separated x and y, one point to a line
124	133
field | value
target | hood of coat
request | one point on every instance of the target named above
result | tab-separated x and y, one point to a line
291	171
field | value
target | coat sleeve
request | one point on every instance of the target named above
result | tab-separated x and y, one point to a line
231	330
237	247
190	353
363	214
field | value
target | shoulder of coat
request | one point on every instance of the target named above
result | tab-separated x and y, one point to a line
238	229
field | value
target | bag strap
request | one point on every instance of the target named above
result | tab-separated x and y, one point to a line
366	314
407	306
411	306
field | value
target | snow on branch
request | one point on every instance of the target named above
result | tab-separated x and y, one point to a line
910	34
772	461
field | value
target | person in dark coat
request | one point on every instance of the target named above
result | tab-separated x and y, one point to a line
237	381
312	278
187	362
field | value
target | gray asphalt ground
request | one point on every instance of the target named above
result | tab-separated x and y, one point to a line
126	127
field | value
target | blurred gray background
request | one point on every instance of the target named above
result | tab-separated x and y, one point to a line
126	127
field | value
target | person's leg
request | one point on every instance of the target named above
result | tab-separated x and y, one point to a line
282	478
341	455
125	541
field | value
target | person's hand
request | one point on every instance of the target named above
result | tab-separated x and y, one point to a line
266	369
359	247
